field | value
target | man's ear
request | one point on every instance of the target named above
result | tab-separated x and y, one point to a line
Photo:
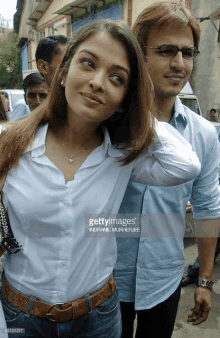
25	97
43	67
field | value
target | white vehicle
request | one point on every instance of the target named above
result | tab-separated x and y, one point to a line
12	96
190	100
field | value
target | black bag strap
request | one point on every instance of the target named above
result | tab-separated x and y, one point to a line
8	241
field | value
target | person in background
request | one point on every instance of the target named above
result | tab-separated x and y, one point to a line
71	160
149	269
212	115
47	55
35	90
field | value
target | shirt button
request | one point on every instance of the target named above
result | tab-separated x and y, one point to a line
65	202
66	232
141	266
64	264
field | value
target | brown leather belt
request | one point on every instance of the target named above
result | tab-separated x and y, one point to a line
65	312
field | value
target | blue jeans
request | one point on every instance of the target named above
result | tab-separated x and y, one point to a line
193	270
102	322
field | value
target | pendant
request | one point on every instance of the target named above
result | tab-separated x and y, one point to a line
70	160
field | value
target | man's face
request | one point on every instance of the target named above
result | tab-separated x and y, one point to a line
212	113
169	74
36	94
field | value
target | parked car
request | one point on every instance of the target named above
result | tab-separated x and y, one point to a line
190	100
12	96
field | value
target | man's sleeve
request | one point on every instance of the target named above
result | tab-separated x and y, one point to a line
20	110
205	197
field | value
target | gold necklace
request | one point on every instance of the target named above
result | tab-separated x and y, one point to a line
70	158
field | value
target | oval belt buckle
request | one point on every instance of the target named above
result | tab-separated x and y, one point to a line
49	314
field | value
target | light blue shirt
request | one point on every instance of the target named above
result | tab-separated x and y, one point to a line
20	110
61	260
149	269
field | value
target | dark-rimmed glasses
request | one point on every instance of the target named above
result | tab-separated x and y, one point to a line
170	51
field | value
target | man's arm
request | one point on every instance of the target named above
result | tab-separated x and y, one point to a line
206	232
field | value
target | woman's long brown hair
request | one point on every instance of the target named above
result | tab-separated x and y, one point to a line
134	127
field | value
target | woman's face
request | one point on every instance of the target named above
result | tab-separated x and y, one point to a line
97	80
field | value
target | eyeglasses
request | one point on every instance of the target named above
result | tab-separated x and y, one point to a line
170	51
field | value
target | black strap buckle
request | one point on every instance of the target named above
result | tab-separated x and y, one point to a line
11	245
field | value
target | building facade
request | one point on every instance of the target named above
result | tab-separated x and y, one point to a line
206	75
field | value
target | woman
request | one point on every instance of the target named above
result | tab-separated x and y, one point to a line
75	168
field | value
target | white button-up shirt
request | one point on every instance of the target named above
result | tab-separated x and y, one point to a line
61	260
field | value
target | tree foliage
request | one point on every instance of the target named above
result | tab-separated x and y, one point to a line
10	61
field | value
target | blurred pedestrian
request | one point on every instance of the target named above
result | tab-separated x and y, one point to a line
213	115
35	90
48	53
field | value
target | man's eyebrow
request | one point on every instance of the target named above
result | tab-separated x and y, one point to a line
96	57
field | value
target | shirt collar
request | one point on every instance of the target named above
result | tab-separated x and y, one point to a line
37	148
179	119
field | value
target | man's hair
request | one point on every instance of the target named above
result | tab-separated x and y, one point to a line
48	47
161	14
213	109
32	80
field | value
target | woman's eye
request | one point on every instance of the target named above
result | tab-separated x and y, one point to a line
87	63
117	79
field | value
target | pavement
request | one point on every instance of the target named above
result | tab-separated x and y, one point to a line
211	327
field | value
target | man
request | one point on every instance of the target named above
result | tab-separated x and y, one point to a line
47	55
212	115
35	91
149	270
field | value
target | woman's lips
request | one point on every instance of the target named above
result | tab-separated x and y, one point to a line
92	98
